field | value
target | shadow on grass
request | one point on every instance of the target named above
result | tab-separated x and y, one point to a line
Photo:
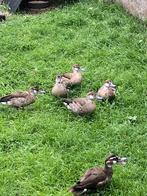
100	192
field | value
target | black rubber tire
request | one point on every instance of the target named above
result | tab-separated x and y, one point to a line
2	17
38	4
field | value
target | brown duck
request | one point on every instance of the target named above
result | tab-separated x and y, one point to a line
60	89
21	98
107	91
81	105
96	177
75	77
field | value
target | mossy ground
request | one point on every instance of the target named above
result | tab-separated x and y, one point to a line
45	148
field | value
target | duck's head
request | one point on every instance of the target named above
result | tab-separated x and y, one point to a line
91	95
37	90
77	68
108	83
58	79
113	159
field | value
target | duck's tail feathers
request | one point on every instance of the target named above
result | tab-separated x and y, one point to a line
5	98
71	190
67	102
77	191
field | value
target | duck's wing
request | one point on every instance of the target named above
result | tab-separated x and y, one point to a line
65	80
91	179
67	75
81	101
111	92
74	104
102	91
19	94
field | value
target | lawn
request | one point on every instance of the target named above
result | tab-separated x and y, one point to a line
45	148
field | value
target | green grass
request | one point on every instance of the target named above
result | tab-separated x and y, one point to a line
45	148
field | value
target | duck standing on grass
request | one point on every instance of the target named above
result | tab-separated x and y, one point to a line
106	92
81	105
21	98
97	177
75	77
60	88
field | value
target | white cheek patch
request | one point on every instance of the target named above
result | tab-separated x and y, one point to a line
76	69
91	97
114	162
106	85
34	91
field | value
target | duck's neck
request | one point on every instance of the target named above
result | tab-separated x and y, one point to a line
108	170
75	71
32	92
90	98
106	85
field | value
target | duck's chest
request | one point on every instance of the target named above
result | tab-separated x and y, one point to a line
76	78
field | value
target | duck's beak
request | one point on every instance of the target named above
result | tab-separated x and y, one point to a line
42	92
122	160
98	98
82	69
113	85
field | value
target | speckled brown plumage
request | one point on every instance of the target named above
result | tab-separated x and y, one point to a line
73	78
96	177
20	98
81	105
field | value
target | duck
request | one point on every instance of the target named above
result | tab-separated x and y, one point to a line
106	92
21	98
83	105
60	88
74	78
97	177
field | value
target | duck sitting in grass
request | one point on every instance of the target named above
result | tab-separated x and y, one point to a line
81	105
97	177
60	88
21	98
106	92
75	77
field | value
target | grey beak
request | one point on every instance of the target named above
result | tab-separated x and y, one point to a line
123	160
42	92
98	98
113	85
82	69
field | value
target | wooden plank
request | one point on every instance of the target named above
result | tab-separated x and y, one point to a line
13	4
